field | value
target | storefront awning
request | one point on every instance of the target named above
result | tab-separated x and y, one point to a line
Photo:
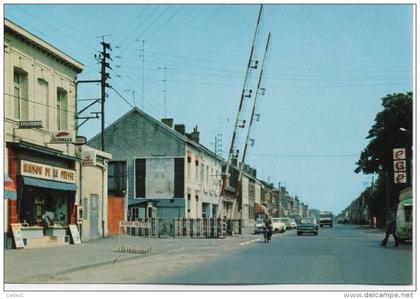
260	209
9	188
49	184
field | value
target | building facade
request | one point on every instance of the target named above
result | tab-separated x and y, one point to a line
168	173
40	100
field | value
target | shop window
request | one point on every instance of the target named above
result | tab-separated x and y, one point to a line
62	109
20	94
117	177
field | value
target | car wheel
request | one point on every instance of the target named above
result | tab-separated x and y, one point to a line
316	233
299	233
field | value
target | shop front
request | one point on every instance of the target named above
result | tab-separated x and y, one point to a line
46	194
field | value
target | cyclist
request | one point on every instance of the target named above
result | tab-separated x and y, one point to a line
268	226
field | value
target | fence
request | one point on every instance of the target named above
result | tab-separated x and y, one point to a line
182	227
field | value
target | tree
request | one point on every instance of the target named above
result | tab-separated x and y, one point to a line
385	135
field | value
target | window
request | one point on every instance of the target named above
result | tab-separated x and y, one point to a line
179	178
189	168
20	94
207	175
140	173
117	177
196	170
62	109
42	111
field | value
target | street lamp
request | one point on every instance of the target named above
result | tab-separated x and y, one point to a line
405	130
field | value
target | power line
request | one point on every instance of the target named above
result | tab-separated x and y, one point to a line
125	100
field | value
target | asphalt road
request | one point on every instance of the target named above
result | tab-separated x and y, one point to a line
343	254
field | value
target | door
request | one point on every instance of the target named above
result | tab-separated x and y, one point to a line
94	214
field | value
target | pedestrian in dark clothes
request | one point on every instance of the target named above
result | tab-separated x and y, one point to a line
391	226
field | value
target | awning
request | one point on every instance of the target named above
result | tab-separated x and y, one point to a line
9	188
260	209
48	184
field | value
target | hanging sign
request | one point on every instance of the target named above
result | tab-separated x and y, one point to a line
400	168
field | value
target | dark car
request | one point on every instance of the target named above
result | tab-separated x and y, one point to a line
307	225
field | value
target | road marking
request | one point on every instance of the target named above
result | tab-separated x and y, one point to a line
251	241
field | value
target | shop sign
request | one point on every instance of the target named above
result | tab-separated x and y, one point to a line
17	235
30	124
48	172
400	168
89	158
80	140
74	234
138	224
62	137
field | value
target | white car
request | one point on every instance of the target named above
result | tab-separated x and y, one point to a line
293	223
278	225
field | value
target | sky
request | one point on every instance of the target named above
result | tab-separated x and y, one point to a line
327	68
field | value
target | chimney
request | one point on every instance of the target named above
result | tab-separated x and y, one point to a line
254	172
168	121
195	135
180	128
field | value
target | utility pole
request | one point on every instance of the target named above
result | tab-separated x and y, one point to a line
104	77
142	83
245	94
251	121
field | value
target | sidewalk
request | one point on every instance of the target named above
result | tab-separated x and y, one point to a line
22	265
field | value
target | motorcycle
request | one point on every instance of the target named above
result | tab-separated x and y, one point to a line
267	235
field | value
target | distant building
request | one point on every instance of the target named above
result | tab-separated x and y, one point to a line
169	174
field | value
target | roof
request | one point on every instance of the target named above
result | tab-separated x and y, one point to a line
160	124
38	42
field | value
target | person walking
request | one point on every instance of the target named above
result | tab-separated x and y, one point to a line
390	228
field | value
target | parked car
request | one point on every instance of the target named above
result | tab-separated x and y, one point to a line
293	223
286	222
404	229
259	226
307	225
278	225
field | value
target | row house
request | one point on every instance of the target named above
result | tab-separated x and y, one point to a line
42	158
162	171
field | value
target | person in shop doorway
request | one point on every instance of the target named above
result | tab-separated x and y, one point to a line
48	219
391	226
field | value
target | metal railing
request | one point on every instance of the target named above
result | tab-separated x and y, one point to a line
182	227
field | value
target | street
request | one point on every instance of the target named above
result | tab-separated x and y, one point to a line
344	254
341	255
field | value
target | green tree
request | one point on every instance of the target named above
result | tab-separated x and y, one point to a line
384	136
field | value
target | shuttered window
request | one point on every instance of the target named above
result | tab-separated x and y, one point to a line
140	173
179	178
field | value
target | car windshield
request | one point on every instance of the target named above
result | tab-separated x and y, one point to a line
292	221
285	221
260	221
306	220
276	220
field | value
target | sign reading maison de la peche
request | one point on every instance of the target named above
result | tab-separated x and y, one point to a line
48	172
